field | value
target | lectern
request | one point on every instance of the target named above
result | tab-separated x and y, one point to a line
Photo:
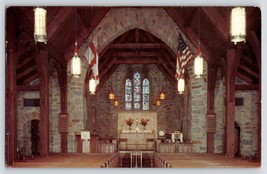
85	137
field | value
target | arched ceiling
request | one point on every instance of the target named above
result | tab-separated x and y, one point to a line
210	25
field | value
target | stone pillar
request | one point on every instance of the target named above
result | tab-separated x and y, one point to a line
63	116
211	116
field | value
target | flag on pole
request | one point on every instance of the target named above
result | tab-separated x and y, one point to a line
184	56
91	55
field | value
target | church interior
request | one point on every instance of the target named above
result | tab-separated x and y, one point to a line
125	87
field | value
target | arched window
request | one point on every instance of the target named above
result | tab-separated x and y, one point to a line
137	93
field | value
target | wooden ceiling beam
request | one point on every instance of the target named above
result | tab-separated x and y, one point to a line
99	15
255	44
135	61
58	21
249	61
249	71
136	45
219	20
25	61
244	77
189	17
247	87
29	77
177	18
28	87
136	54
80	40
27	71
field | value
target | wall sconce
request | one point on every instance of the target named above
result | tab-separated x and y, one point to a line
238	25
116	101
111	95
158	102
162	95
40	25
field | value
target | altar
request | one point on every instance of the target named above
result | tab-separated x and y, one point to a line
135	135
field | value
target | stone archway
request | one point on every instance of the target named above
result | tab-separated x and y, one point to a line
120	20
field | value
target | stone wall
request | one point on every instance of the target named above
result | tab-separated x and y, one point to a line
24	117
198	108
54	110
219	107
168	113
120	20
247	118
76	106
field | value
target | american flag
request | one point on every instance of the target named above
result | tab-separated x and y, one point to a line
91	55
184	56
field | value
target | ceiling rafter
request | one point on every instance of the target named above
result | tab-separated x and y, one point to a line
31	78
193	37
244	77
59	20
249	71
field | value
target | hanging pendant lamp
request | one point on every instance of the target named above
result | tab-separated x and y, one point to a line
92	86
181	86
238	25
76	63
198	64
40	25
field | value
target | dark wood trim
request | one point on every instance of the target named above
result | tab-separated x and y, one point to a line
255	44
136	54
42	61
11	93
59	20
28	88
247	87
230	104
136	45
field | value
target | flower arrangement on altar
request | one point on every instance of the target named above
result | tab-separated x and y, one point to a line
144	121
129	121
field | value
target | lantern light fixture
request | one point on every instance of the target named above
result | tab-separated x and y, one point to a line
92	86
76	63
198	64
40	24
181	86
238	25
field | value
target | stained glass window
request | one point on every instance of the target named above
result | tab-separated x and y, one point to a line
145	94
128	94
136	93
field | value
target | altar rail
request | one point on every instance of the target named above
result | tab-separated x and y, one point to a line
174	147
112	162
